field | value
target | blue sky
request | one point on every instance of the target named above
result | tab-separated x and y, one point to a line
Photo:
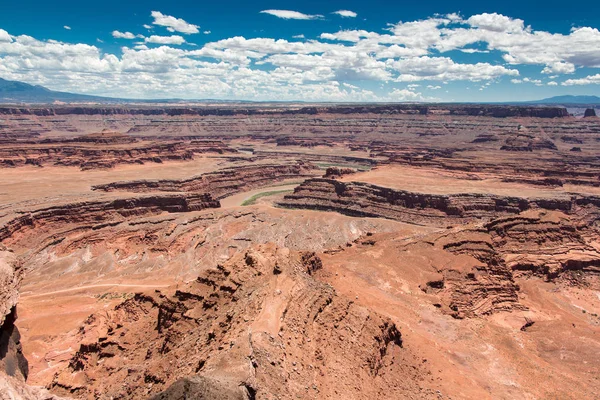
304	50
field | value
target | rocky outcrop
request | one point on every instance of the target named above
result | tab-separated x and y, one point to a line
335	172
94	214
302	142
258	326
527	143
12	361
104	151
536	243
200	387
477	282
547	245
14	368
366	200
590	112
14	389
10	278
220	183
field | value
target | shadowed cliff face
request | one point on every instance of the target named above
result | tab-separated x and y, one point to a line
97	213
12	361
367	200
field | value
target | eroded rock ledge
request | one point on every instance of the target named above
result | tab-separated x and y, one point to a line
220	183
367	200
259	325
544	244
96	214
94	152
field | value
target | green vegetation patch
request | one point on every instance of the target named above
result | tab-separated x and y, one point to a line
252	200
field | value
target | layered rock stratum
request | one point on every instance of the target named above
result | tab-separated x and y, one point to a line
299	251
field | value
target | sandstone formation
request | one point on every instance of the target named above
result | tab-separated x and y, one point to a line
590	112
104	152
541	243
299	251
221	183
231	326
366	200
95	214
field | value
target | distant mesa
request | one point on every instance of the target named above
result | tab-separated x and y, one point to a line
590	112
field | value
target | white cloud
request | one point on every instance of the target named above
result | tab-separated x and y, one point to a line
333	67
207	32
405	95
536	82
147	26
496	23
518	44
173	24
123	35
287	14
445	69
4	36
588	80
173	39
299	36
552	83
346	13
67	27
474	51
559	68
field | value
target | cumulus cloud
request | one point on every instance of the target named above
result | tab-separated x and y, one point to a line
588	80
346	13
333	67
173	39
405	95
496	23
519	44
4	36
173	24
287	14
123	35
67	27
445	69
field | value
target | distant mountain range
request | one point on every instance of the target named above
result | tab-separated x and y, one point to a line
569	99
20	92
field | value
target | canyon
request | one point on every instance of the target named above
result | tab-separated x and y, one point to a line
265	251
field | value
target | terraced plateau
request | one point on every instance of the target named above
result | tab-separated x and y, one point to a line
312	252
